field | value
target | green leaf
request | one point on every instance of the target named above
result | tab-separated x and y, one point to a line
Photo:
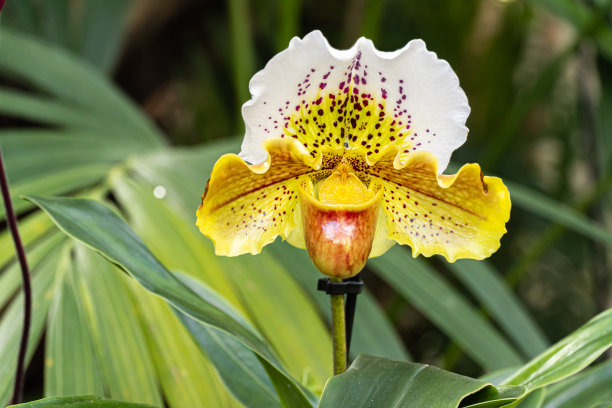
558	212
378	382
101	229
242	47
446	307
99	42
10	279
281	310
43	276
568	356
287	390
79	402
499	300
89	35
289	12
72	81
586	389
238	367
534	400
186	376
32	153
50	111
121	350
30	229
70	366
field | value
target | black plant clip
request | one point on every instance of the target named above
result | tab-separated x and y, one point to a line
350	287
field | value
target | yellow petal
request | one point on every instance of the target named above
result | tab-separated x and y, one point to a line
246	206
457	216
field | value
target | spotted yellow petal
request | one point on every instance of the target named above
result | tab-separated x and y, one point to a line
457	216
246	206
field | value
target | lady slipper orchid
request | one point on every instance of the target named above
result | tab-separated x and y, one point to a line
348	149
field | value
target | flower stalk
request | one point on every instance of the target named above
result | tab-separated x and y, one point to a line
338	331
11	221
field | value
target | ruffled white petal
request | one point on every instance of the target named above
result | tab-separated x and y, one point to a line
365	99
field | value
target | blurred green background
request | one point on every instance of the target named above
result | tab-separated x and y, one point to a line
538	76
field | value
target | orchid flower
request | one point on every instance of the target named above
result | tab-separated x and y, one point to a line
347	149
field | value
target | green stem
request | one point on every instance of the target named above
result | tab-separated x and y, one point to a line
338	331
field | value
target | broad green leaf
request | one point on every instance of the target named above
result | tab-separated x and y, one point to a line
50	111
47	20
499	300
70	366
496	377
101	229
99	42
280	309
90	36
187	378
30	154
238	367
586	389
73	81
377	382
121	349
373	333
291	393
11	323
288	391
446	307
79	402
568	356
534	400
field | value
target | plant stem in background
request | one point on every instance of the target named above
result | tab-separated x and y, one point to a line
338	331
588	105
11	221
